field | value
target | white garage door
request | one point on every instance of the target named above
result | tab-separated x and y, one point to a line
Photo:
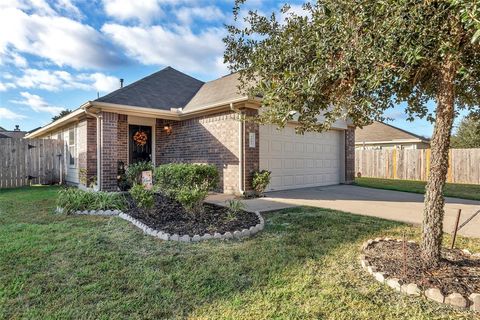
298	161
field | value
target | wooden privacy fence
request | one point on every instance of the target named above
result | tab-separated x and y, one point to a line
464	164
24	162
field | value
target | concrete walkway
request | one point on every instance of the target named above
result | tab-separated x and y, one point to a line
392	205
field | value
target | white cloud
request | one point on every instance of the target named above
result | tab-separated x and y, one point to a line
209	13
6	114
48	80
67	7
13	58
104	83
6	86
55	80
42	7
141	10
178	47
61	40
37	104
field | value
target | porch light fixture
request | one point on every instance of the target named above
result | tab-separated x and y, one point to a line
168	129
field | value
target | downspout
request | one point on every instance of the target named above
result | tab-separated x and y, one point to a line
241	161
99	146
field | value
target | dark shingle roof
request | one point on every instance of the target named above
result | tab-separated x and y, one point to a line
165	89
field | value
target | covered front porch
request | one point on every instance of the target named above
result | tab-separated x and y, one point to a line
217	139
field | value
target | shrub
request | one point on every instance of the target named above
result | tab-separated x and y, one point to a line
73	199
134	171
187	183
175	176
144	198
260	181
191	199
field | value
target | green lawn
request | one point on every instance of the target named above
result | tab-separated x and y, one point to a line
304	265
457	190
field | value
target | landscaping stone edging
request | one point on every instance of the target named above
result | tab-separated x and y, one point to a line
236	234
454	299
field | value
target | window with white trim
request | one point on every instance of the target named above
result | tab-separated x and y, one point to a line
71	147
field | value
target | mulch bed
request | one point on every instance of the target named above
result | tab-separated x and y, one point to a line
458	271
169	216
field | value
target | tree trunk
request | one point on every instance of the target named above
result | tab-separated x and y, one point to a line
432	227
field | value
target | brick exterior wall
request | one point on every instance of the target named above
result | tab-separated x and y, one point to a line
350	155
122	138
209	139
81	145
109	151
252	155
91	148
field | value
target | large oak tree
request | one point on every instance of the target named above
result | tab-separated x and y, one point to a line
357	58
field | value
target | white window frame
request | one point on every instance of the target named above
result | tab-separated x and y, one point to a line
72	147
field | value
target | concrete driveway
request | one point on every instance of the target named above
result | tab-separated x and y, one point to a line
386	204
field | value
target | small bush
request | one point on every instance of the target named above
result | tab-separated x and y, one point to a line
260	181
73	199
187	183
144	198
175	176
191	199
134	171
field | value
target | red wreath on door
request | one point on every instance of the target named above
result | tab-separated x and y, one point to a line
140	138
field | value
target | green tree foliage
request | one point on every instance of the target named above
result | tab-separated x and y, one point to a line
62	114
357	58
468	133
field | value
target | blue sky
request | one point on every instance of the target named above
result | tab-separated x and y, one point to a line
58	54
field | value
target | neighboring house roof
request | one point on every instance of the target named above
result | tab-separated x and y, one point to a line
2	129
165	89
13	134
379	132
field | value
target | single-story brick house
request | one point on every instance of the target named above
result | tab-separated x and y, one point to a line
186	120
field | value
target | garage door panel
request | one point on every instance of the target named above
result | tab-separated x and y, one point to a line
299	161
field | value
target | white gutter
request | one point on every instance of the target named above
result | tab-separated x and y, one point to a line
99	145
186	110
135	110
241	162
58	123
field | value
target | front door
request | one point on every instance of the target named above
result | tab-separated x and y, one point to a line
139	143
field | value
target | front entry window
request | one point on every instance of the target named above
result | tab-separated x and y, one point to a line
140	143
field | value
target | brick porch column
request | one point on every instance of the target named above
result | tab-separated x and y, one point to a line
252	154
350	155
109	151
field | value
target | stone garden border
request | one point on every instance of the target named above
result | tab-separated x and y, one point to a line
454	299
237	234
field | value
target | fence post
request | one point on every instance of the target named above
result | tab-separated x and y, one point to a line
394	163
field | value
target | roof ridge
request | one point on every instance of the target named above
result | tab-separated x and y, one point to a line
405	131
138	82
